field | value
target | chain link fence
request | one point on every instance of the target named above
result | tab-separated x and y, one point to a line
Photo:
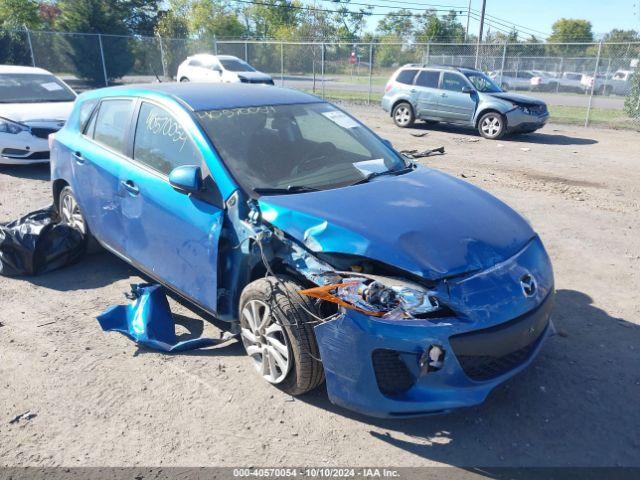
582	83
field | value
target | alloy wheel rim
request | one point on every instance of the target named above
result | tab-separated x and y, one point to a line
491	126
70	213
403	115
265	341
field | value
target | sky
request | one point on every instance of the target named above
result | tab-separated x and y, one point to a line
537	15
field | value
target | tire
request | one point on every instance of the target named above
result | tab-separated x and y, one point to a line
184	79
492	125
283	327
69	211
403	115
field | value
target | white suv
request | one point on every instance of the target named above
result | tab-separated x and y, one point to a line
219	69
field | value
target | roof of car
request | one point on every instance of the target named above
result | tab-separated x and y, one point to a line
452	68
215	96
21	69
210	55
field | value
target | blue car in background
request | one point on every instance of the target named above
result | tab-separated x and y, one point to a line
331	255
461	96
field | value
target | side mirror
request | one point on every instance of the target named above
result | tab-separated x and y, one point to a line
387	143
467	90
186	179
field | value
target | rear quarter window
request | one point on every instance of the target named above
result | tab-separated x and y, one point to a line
406	76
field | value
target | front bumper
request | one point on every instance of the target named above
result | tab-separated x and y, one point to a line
23	149
518	120
373	365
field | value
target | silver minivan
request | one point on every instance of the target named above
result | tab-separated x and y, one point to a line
461	96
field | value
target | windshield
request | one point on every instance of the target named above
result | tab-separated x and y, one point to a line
33	88
236	65
312	146
482	82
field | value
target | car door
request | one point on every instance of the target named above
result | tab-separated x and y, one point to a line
426	86
454	104
98	156
170	235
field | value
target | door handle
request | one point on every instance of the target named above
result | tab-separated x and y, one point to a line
413	90
78	157
130	187
443	94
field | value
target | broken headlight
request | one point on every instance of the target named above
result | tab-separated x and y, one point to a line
378	296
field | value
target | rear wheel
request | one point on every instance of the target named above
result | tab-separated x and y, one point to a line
492	125
277	333
184	79
403	115
69	211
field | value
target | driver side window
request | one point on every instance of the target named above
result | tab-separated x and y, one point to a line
161	142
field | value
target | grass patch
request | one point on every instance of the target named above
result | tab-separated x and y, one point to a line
609	117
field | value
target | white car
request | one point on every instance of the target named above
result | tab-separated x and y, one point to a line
33	104
219	69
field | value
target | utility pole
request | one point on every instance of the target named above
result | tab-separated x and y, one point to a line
484	5
466	32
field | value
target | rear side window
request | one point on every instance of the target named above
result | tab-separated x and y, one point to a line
161	143
453	82
406	76
428	78
112	122
195	63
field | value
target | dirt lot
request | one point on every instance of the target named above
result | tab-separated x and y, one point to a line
101	400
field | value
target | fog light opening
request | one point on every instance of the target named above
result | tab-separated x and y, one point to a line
432	359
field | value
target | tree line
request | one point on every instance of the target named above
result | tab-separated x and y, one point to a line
197	22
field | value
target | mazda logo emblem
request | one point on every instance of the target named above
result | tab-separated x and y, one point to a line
528	284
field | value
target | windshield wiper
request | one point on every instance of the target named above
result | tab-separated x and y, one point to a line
283	191
373	175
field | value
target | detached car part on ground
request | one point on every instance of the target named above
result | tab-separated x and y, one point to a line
332	256
460	96
33	104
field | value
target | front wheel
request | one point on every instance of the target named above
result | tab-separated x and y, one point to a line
277	333
403	115
492	125
184	80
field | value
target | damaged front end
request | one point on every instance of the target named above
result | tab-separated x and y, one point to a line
396	344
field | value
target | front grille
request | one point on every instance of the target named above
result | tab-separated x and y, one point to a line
538	109
43	132
14	152
392	375
486	367
491	352
24	154
257	81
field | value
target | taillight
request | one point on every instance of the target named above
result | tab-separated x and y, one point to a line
51	138
388	87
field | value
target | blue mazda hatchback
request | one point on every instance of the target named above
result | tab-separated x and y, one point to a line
331	255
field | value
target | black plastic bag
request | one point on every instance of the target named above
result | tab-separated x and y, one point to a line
35	244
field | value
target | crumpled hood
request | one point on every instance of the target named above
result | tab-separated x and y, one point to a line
424	222
36	112
520	99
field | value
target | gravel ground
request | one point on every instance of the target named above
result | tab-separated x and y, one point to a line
96	399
